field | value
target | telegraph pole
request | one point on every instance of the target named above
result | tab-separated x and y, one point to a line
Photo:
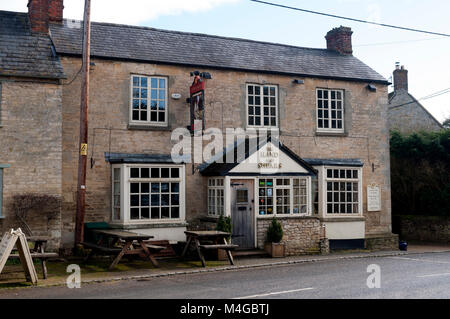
84	106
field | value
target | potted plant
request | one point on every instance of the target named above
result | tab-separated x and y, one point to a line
224	224
274	236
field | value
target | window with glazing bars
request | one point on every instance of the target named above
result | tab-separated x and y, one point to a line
262	105
330	110
149	100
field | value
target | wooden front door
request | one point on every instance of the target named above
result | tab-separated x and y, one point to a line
242	210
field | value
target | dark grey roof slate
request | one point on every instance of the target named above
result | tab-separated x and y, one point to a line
153	45
117	158
352	162
23	53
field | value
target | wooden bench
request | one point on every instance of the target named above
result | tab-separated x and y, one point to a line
103	249
155	247
168	250
98	249
220	246
42	257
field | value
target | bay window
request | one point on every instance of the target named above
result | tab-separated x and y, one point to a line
150	193
216	191
343	191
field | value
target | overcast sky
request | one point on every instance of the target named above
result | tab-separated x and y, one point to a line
425	56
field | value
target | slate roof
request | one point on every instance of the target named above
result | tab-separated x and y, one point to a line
25	54
352	162
119	158
114	41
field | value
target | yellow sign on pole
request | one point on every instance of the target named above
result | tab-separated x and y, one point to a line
83	149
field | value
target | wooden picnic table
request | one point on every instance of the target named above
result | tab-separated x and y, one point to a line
132	244
202	240
38	252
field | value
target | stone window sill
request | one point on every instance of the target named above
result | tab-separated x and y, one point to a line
148	127
332	134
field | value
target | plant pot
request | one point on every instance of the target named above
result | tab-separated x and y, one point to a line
276	250
222	255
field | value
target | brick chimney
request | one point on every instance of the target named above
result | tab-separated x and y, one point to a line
340	40
400	78
41	12
55	10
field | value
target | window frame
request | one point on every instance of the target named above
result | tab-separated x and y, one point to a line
125	182
247	106
330	129
324	191
215	188
291	196
148	122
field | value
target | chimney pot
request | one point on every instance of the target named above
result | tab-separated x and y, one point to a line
340	40
401	79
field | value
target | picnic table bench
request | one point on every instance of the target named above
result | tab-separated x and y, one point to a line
38	252
130	244
218	239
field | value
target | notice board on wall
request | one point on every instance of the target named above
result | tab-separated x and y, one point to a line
373	198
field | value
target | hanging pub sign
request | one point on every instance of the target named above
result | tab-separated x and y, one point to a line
197	101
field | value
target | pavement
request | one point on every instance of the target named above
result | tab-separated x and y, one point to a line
401	276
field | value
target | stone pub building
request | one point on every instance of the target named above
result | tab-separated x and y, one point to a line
332	178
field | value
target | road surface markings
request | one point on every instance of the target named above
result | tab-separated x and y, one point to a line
274	293
434	275
422	260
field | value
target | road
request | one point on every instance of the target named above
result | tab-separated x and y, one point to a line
409	276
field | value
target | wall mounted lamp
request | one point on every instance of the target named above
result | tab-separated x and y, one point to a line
371	88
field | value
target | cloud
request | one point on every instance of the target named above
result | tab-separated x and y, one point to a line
126	12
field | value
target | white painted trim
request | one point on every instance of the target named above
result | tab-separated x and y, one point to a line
125	192
324	191
277	107
149	122
329	129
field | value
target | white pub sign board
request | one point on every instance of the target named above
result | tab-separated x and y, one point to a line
373	198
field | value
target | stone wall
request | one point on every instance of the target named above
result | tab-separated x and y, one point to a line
382	242
301	235
366	136
410	117
30	141
433	229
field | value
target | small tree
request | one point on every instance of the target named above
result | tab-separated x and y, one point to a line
224	224
275	232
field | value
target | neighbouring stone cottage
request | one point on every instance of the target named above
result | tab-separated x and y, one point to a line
406	114
326	174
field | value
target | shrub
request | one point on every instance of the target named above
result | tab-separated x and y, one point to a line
420	173
224	224
275	232
23	204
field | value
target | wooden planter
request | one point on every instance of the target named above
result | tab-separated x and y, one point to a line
222	255
276	250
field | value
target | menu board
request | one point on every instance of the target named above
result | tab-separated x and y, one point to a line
17	238
373	198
